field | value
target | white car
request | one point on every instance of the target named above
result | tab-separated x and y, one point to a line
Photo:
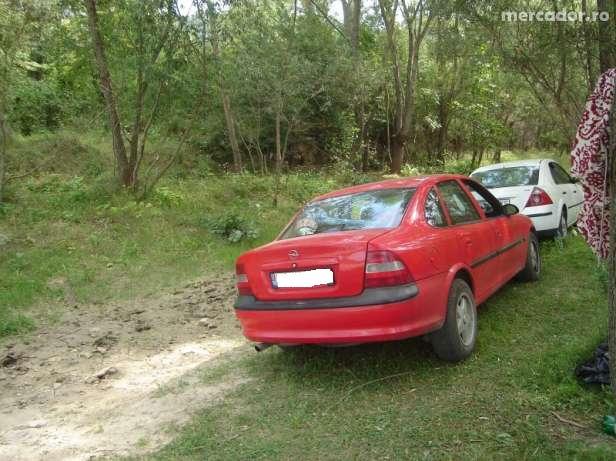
541	189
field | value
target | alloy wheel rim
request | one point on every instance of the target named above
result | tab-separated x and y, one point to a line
465	319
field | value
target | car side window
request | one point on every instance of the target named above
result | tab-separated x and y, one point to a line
433	210
490	204
459	205
559	175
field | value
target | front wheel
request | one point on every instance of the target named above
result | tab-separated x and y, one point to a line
455	341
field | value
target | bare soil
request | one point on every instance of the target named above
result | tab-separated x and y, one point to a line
109	380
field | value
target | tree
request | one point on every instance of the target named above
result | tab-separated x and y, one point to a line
417	17
126	171
17	23
607	45
451	48
211	28
278	70
153	30
607	33
544	54
611	300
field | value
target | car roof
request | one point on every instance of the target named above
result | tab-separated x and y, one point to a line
527	162
397	183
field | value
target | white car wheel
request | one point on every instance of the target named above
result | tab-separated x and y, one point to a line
562	226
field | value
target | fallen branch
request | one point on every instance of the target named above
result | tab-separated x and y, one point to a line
367	383
20	176
568	421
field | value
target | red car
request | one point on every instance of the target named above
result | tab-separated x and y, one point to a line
386	261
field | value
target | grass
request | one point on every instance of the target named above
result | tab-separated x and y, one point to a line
67	222
106	245
67	233
397	401
67	227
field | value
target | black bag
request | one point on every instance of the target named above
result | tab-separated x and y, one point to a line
597	369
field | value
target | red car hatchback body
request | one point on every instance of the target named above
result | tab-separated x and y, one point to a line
386	261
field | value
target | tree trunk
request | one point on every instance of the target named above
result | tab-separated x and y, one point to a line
230	122
3	143
611	302
607	40
278	165
397	155
351	14
474	159
480	157
226	101
119	149
417	20
496	158
590	77
441	142
351	10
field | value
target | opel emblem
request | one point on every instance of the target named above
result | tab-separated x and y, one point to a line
293	254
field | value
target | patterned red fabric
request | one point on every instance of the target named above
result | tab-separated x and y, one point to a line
589	164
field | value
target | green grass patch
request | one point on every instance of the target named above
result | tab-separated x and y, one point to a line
397	401
68	221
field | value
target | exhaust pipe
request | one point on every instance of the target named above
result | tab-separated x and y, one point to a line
260	347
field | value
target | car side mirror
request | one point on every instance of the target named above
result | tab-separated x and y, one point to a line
510	209
574	180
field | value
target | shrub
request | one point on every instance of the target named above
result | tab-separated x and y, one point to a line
165	196
231	226
37	106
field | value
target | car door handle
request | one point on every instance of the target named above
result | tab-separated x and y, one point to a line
466	237
565	193
575	192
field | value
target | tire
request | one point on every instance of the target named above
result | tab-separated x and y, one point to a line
532	269
561	231
455	341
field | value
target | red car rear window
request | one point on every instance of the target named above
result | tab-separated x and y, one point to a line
377	209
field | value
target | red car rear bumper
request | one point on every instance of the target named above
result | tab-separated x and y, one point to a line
340	325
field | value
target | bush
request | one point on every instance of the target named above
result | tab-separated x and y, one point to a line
231	226
64	152
164	196
37	106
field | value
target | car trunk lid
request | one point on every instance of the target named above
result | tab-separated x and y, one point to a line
344	255
517	195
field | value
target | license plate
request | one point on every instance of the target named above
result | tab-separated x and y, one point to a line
504	201
303	279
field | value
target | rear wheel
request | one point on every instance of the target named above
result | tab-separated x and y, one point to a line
561	232
532	269
455	341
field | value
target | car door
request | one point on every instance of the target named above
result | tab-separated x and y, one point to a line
566	191
476	241
575	194
509	248
441	244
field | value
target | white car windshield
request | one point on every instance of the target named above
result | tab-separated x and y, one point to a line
508	177
365	210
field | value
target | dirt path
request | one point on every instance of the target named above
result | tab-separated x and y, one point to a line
110	379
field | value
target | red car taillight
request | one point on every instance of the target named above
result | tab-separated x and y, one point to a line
538	197
384	269
241	281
